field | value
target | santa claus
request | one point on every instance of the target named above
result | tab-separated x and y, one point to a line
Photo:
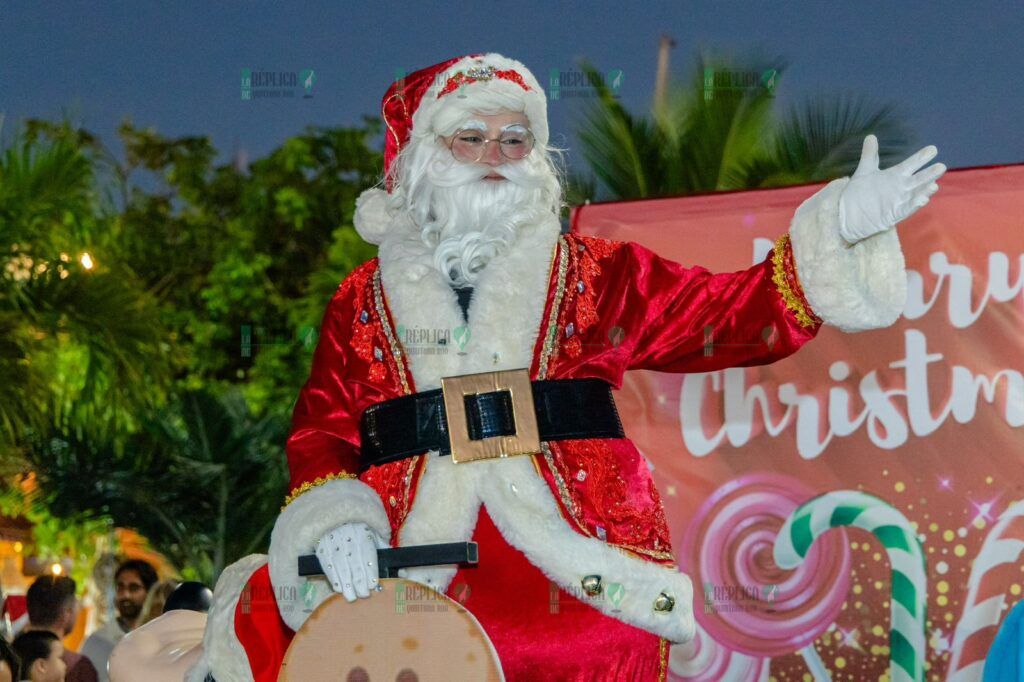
463	386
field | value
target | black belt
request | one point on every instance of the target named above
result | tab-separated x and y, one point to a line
565	409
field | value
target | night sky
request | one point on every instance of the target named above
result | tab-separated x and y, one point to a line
954	70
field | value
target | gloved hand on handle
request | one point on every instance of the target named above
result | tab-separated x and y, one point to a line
348	556
875	200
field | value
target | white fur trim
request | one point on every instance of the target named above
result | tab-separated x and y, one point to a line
223	654
853	287
535	99
522	507
297	531
504	319
371	218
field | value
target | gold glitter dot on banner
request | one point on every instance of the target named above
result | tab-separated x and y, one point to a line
941	600
899	486
1015	589
979	523
857	589
877	631
988	479
948	535
942	587
960	550
878	586
885	472
884	677
933	527
840	662
948	616
877	556
807	678
865	546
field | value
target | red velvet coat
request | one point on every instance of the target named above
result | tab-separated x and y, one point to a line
563	307
597	287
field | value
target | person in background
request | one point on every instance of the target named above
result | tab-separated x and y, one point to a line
133	580
53	607
153	607
8	662
40	653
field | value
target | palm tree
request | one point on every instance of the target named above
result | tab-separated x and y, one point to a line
80	342
202	480
707	137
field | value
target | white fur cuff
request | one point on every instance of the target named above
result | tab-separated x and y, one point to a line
852	287
297	531
223	654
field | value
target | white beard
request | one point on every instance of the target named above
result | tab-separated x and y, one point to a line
468	220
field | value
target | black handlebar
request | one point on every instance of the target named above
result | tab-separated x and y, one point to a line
391	559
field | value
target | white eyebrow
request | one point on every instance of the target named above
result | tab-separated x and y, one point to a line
475	124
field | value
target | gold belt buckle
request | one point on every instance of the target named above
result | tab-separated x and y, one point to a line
526	439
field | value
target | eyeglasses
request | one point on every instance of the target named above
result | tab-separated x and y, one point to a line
470	145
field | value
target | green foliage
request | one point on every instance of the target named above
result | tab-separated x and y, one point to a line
139	400
202	479
74	536
704	139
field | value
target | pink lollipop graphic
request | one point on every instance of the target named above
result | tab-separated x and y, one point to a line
751	605
702	659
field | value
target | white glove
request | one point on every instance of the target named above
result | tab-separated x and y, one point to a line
875	200
348	557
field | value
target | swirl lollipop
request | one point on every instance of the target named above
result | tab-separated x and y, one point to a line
751	605
702	659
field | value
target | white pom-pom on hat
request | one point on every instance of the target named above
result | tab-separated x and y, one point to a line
372	217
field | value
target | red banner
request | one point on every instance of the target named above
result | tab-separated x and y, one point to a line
918	424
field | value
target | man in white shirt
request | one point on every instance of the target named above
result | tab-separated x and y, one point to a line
133	580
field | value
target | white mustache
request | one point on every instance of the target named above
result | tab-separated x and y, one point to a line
457	173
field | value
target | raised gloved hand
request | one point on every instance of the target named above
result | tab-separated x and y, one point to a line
875	200
348	556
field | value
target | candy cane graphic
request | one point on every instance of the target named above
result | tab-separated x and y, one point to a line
993	569
909	580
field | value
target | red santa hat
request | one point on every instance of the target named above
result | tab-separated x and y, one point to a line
412	101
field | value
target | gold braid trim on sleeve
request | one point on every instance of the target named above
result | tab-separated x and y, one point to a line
309	485
788	285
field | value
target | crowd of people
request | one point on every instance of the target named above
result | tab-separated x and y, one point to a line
38	654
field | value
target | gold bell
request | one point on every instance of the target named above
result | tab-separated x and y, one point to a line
664	602
592	584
